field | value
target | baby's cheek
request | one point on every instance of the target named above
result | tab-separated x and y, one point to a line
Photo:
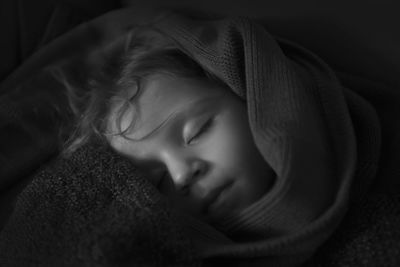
224	149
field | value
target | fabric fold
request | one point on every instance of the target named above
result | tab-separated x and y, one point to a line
300	119
96	209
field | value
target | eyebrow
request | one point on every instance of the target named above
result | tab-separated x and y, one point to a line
176	113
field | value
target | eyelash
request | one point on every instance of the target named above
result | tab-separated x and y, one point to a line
203	129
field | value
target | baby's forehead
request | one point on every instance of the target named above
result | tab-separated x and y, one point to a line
162	88
163	97
177	111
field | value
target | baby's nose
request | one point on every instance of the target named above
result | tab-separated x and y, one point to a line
185	172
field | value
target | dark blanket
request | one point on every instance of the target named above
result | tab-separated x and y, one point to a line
96	210
93	209
368	236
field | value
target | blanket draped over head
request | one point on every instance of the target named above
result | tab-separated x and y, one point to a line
95	210
300	119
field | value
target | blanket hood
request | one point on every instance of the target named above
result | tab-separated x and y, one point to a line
296	106
308	127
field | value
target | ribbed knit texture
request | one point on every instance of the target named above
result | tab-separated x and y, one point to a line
368	236
95	209
302	125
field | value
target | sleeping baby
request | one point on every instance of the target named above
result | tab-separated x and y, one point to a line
251	140
251	160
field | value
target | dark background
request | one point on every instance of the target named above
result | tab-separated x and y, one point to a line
360	37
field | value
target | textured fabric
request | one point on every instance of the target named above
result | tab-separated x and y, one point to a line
386	102
32	103
65	202
288	91
31	106
93	209
368	236
30	118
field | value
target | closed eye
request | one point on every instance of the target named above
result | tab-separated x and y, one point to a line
202	130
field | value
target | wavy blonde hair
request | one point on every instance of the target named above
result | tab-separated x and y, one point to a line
114	74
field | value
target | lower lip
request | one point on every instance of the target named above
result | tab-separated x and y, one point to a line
216	208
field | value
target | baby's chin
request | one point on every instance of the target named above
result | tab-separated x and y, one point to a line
235	199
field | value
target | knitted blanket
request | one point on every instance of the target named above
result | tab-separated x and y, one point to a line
301	118
96	210
93	209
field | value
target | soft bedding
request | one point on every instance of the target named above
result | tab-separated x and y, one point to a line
314	25
32	102
61	196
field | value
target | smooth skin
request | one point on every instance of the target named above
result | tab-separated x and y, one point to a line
192	139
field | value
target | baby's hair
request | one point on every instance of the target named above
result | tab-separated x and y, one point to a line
114	75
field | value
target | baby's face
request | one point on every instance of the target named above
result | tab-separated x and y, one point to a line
196	146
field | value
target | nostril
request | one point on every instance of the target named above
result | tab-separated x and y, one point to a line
196	173
187	177
184	186
200	168
184	190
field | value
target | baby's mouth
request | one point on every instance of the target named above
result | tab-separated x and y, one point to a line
213	203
